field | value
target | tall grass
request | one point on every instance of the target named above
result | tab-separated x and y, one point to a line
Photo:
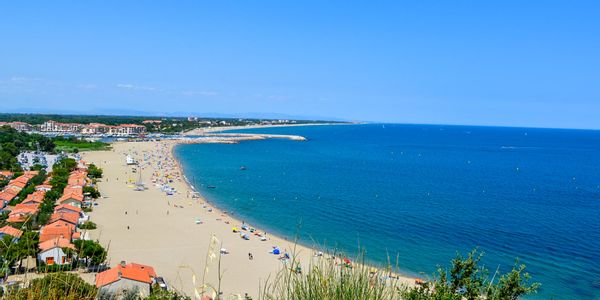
329	277
55	286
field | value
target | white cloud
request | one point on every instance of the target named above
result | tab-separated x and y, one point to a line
137	87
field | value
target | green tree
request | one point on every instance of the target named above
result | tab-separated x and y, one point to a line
91	251
467	280
10	148
91	191
94	172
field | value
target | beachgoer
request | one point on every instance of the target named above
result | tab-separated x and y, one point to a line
127	227
250	257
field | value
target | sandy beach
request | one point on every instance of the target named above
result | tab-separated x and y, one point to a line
151	227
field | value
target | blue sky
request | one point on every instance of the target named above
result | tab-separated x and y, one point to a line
514	63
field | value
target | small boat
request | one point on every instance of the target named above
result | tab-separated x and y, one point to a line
242	168
211	187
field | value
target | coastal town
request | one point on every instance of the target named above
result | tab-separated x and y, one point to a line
53	127
59	217
122	221
136	127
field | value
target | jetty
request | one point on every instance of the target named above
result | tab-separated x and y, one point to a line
234	138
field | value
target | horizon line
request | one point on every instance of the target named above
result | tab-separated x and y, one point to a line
339	120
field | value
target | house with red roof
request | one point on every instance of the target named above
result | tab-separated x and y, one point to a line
11	231
7	195
72	197
21	213
124	277
54	251
43	187
17	184
35	198
71	218
66	208
6	174
57	229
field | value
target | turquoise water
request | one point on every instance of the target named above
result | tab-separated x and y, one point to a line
422	193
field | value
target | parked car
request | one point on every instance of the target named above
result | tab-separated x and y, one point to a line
161	282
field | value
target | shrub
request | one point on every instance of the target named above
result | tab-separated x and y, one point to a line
88	225
54	287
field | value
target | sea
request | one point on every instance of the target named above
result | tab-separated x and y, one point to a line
416	195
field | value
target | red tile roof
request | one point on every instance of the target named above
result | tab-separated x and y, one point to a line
57	229
21	213
131	271
56	242
69	217
67	207
43	187
7	196
8	230
19	184
35	197
7	174
77	196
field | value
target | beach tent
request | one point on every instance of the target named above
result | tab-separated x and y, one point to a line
276	251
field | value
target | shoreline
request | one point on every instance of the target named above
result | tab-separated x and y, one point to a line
201	131
241	275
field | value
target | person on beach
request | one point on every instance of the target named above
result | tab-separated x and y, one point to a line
250	257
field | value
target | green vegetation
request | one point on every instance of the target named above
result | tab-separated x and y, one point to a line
465	280
92	252
89	225
13	142
91	191
94	172
74	145
160	294
168	125
56	286
62	285
36	119
12	252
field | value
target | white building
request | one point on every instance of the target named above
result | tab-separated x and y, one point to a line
126	277
51	251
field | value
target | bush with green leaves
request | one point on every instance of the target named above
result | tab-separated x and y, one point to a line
466	279
94	172
88	225
56	286
92	252
91	191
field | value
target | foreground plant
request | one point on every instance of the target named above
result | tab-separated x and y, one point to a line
327	278
467	280
55	286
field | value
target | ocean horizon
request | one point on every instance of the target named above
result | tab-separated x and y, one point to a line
417	194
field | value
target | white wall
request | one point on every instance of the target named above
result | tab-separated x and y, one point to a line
55	252
123	284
